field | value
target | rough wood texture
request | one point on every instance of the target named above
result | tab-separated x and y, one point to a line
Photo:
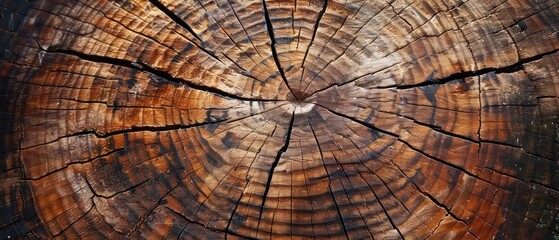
277	119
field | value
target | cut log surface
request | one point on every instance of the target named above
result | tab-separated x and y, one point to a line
149	119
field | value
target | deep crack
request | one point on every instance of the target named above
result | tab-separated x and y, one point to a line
273	47
158	73
282	150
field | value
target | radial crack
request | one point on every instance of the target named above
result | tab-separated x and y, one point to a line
70	164
330	180
403	19
145	217
431	80
433	199
98	195
247	180
386	213
99	134
183	24
409	145
282	150
175	18
439	129
350	81
159	73
74	222
369	125
480	114
233	212
273	46
200	224
315	30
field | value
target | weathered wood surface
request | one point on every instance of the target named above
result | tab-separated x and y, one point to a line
305	119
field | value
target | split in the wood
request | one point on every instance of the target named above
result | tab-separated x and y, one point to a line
274	51
432	80
274	165
159	73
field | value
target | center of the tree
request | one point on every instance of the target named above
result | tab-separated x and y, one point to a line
302	107
298	95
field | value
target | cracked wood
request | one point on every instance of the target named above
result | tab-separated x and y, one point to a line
148	119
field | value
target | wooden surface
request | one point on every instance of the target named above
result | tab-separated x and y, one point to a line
148	119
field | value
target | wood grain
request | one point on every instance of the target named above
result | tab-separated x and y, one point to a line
150	119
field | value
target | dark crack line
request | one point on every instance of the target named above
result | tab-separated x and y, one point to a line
207	198
121	191
468	46
142	67
22	135
410	146
140	33
248	170
315	30
345	49
273	46
175	18
365	166
461	169
403	19
507	175
101	219
226	231
524	179
437	227
508	69
306	178
385	211
440	129
462	75
178	20
139	129
109	104
246	117
224	31
435	201
201	224
398	199
330	183
56	236
253	131
74	163
352	81
322	69
152	128
155	207
243	70
246	33
234	211
378	200
480	117
516	147
282	150
546	97
386	185
368	125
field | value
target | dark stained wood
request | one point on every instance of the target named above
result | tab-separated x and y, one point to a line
150	119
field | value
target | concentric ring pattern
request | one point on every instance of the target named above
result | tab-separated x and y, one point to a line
279	119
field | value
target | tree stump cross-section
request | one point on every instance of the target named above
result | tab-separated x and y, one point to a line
398	119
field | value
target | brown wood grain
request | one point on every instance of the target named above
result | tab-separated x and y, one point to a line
401	119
